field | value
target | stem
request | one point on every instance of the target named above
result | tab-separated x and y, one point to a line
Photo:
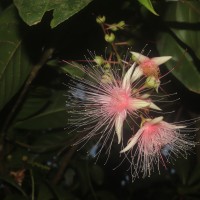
191	6
33	185
89	181
65	162
46	55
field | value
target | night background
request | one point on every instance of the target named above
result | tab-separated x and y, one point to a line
38	160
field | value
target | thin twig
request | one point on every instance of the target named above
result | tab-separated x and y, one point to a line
46	55
65	162
33	185
89	181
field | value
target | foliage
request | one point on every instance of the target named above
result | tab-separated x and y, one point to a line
37	159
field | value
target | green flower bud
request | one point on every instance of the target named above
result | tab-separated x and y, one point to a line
100	19
24	158
134	58
107	66
121	25
113	27
99	60
152	82
106	78
9	157
110	37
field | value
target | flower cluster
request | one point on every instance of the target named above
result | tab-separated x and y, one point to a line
109	98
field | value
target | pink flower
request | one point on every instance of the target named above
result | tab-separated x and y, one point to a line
106	102
151	140
149	66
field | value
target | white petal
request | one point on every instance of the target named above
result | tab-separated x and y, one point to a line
161	60
119	125
154	106
138	103
136	74
156	120
132	142
127	77
139	57
179	127
145	96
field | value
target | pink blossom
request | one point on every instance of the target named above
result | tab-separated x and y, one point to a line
150	141
108	99
149	66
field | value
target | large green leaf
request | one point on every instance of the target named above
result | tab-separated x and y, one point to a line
34	103
186	72
74	69
32	11
54	116
186	17
51	140
9	180
14	62
148	5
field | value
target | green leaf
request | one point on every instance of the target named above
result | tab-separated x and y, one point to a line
54	116
34	103
185	71
14	197
74	69
44	192
11	182
105	195
148	5
97	174
180	13
32	11
14	62
51	141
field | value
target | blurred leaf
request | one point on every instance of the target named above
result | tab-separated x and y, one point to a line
14	197
195	176
34	103
81	167
44	192
97	174
54	116
105	195
10	181
63	194
184	15
74	69
186	72
148	5
183	172
50	141
32	11
14	62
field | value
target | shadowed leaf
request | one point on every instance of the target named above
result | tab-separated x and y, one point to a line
54	116
185	71
14	62
148	5
32	11
185	15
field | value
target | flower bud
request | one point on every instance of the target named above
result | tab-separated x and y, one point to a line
109	37
113	27
106	78
152	82
100	19
107	66
121	25
9	157
24	158
99	60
